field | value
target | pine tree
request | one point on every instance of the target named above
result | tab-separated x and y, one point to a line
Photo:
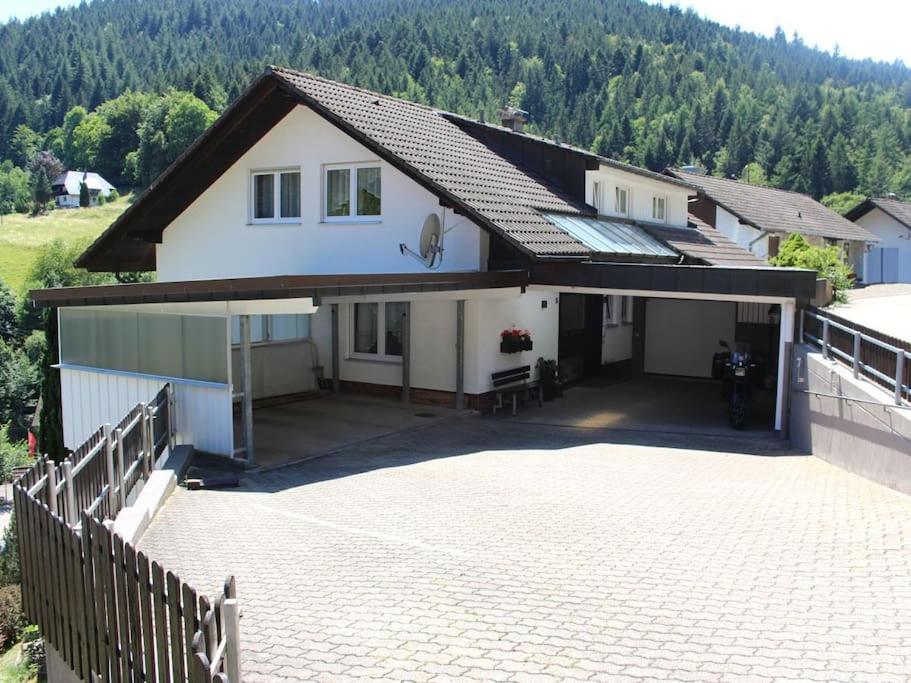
41	191
85	199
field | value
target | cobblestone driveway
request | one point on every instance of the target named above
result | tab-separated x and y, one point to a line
490	550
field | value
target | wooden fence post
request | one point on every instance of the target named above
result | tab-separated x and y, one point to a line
70	493
50	468
145	421
121	471
232	639
109	464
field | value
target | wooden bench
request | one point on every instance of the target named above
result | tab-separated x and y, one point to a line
515	383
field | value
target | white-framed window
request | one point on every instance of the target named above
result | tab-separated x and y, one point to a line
352	192
626	312
597	200
612	310
377	330
659	208
273	328
275	196
621	200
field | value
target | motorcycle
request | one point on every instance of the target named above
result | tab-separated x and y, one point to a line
737	371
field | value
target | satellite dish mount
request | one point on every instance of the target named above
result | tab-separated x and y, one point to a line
430	246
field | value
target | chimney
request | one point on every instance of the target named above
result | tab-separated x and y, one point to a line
513	118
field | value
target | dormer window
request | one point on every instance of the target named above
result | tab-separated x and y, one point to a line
659	209
621	201
276	196
353	192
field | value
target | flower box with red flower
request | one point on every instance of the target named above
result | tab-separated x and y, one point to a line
514	340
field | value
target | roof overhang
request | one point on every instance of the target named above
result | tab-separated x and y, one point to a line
869	205
315	287
785	283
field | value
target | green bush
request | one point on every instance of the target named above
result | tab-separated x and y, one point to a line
113	195
33	646
10	573
828	262
12	621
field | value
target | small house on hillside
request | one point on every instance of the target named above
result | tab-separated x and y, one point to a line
761	218
889	219
66	188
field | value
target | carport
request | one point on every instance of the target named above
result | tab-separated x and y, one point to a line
678	313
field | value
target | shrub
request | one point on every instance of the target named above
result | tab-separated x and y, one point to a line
12	621
828	262
10	573
113	195
33	646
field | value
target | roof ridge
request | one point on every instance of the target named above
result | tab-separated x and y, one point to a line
365	91
738	181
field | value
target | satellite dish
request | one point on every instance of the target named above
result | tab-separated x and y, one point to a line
430	244
430	237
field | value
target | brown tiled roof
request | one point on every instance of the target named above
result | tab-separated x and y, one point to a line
774	210
701	241
503	195
896	208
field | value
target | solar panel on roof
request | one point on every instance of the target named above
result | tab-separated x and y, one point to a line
608	237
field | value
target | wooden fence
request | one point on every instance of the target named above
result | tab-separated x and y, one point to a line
110	612
879	357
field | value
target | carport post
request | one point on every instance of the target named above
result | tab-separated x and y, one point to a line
406	353
336	381
785	335
460	355
247	374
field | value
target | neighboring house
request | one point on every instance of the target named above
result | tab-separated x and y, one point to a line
890	220
323	235
761	218
66	188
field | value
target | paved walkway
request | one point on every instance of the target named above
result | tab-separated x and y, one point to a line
486	549
886	308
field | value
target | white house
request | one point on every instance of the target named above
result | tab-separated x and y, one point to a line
890	220
66	188
761	218
320	235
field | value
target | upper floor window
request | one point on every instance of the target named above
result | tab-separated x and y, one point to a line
621	201
352	192
659	209
596	196
276	196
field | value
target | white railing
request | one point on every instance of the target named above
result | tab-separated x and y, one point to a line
900	357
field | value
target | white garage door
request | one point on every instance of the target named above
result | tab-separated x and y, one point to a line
882	265
681	336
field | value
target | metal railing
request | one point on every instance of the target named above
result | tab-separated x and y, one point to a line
868	353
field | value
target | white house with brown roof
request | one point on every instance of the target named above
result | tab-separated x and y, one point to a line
760	218
889	219
322	237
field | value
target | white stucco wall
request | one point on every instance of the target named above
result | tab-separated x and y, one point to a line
681	336
617	343
212	237
892	235
730	226
641	191
433	341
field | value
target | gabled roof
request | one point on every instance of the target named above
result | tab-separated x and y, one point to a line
895	208
775	210
71	180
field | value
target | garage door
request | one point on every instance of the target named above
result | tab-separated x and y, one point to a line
882	265
681	336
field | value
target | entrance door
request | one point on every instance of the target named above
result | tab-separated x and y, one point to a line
579	342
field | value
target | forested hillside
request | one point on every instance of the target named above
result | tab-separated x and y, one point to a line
645	84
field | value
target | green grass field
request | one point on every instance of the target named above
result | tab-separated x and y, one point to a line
22	236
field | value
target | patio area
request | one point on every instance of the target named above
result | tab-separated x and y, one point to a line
499	550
